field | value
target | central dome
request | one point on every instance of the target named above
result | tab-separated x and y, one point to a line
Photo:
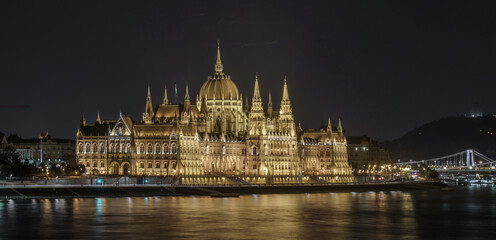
219	86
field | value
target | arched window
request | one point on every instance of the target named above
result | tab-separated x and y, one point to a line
110	147
142	149
87	148
80	148
102	148
254	150
173	146
116	147
157	148
150	148
166	148
95	148
128	147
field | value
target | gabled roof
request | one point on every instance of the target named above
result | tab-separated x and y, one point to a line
128	121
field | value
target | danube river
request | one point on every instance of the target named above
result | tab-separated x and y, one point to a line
466	213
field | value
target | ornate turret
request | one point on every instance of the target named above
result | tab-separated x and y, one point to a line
286	119
256	103
98	120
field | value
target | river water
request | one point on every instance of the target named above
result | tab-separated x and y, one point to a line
466	213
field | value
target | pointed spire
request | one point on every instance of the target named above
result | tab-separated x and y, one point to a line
98	120
186	99
186	96
149	106
285	95
329	126
166	100
269	106
270	101
218	64
285	102
340	128
257	111
83	119
149	95
256	90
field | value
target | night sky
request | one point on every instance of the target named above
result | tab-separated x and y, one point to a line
383	67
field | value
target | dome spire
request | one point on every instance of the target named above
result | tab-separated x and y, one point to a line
218	64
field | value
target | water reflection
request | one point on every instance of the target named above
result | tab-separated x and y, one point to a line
467	212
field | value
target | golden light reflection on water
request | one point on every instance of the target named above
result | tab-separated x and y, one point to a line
357	215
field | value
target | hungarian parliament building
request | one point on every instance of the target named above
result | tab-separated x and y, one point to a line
216	140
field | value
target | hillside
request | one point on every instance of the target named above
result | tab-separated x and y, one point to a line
445	136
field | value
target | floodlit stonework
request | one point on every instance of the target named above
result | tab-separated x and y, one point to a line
217	140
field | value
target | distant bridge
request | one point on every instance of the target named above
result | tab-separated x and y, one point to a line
468	160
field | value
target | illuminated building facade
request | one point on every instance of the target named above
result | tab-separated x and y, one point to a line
215	139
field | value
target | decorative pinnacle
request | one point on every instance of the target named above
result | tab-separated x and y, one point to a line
270	100
83	119
256	91
186	97
166	100
285	95
218	65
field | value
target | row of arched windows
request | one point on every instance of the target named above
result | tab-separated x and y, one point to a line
158	149
91	148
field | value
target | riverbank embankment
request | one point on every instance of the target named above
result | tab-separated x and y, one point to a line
136	190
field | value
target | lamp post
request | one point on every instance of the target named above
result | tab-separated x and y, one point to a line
41	147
